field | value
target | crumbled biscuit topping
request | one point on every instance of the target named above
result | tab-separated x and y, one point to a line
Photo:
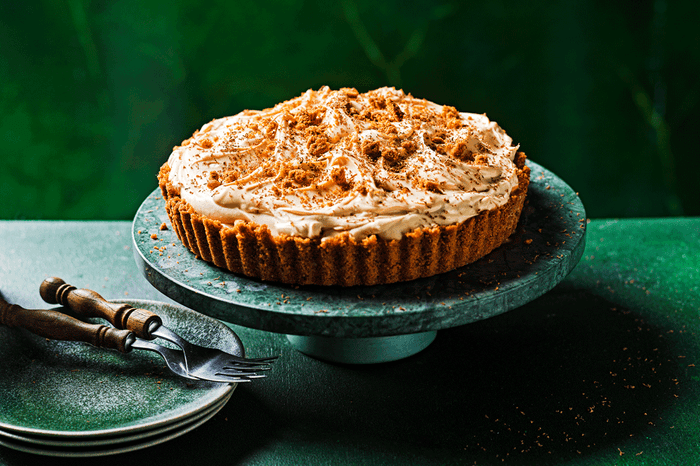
333	161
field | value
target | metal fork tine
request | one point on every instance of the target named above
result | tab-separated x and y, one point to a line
242	377
248	366
246	377
226	377
235	370
255	360
240	371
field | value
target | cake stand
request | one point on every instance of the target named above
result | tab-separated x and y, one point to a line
370	324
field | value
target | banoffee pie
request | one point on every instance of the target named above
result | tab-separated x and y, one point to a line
345	188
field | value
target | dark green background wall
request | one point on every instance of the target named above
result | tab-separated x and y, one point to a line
94	94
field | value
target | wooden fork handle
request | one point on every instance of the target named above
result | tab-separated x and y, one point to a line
57	326
88	303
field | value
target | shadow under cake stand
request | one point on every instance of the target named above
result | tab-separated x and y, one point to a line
371	324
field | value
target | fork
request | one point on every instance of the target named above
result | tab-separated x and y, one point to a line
200	361
58	326
175	361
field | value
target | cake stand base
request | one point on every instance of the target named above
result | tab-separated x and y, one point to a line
368	350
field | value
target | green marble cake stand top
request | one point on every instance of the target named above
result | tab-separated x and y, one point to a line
368	324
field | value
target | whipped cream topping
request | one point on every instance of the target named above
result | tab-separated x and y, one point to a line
380	163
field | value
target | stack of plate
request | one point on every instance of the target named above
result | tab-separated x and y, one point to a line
74	400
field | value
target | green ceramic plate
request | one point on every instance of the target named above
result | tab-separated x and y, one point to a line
105	450
108	441
73	390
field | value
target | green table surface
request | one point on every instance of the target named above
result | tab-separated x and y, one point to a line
603	369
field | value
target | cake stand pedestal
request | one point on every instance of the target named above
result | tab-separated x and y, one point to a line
364	350
370	324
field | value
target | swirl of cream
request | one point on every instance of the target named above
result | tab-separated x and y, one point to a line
328	162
